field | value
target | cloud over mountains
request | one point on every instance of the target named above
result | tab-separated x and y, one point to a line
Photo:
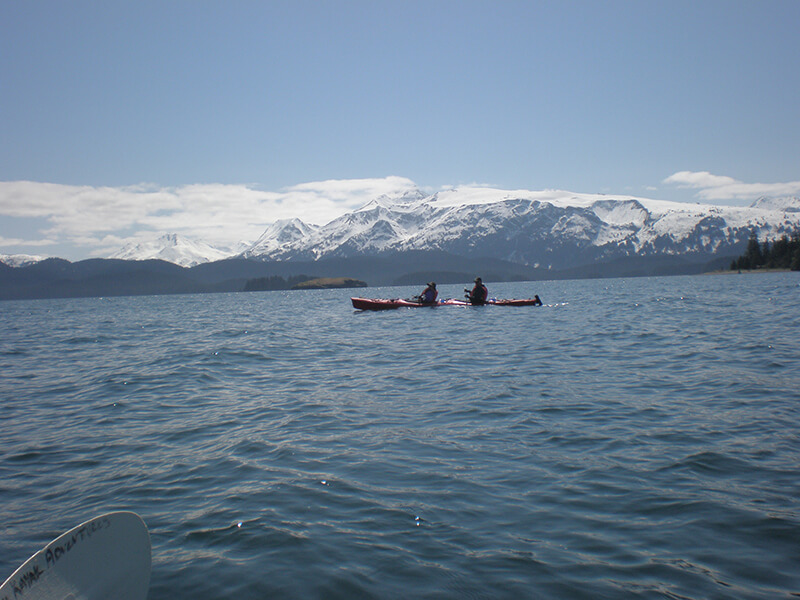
96	220
721	188
104	218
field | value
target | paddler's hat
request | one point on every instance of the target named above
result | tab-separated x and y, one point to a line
478	280
432	283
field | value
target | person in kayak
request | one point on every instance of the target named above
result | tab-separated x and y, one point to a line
429	294
479	293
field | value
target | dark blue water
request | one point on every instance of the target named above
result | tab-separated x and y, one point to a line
633	438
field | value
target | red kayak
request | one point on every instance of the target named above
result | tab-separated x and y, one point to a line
386	304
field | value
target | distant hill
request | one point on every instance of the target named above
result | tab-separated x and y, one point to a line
58	278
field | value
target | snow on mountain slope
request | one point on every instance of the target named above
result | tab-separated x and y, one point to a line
630	212
785	204
173	248
553	228
20	260
281	233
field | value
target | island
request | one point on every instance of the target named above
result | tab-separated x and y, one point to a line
301	282
324	283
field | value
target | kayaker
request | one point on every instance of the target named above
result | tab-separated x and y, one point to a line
538	301
479	293
429	294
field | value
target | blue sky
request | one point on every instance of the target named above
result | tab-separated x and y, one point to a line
228	110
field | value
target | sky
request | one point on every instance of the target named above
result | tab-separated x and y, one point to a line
125	120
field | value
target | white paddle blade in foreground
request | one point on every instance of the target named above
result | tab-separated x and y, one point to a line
105	557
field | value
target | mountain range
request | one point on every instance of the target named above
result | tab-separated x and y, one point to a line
552	230
453	235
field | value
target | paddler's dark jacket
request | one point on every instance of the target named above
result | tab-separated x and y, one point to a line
478	294
428	296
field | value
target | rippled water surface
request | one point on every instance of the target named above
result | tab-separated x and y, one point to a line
632	438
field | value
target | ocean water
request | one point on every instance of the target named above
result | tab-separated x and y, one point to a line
633	438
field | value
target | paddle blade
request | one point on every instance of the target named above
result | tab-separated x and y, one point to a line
105	557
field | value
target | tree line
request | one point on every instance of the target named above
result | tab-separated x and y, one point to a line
783	253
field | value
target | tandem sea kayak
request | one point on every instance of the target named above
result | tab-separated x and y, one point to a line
390	303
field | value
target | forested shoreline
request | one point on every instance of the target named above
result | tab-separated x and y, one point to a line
783	253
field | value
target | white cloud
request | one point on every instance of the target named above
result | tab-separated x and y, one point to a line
346	190
4	241
101	217
719	187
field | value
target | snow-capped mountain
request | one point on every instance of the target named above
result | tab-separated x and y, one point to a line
551	229
20	260
281	233
176	249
